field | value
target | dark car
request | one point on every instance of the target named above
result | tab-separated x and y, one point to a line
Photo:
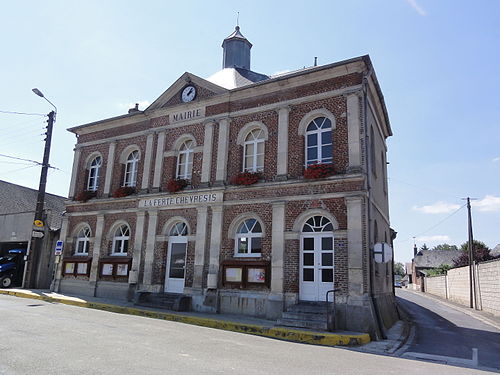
11	268
398	284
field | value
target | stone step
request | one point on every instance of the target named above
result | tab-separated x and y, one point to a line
299	323
167	301
305	316
307	308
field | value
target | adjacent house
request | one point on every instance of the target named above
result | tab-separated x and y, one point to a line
241	193
425	260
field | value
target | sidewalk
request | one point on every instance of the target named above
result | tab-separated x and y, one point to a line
483	316
235	323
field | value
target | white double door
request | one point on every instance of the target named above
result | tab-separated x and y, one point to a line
176	264
316	266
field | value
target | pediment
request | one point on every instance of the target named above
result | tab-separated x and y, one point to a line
172	96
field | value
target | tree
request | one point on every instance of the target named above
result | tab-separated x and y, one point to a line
441	270
399	269
445	246
424	247
481	253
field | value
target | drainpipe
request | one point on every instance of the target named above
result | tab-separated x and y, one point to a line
378	319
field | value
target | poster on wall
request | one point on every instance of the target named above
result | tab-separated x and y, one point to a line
257	275
81	268
234	275
69	268
107	269
121	269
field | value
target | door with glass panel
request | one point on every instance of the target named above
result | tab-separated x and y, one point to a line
176	264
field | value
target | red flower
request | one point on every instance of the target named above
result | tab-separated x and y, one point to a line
123	191
245	178
176	184
318	171
85	195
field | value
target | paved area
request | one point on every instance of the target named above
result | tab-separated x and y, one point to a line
43	337
449	333
235	323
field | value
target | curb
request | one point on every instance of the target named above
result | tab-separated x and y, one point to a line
305	337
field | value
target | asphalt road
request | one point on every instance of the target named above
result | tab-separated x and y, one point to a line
44	338
442	330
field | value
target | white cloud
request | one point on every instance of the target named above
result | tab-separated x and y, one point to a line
489	203
417	7
495	160
437	208
437	238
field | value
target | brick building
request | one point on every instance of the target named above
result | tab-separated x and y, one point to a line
256	229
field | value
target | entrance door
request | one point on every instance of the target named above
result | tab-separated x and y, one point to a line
176	264
316	266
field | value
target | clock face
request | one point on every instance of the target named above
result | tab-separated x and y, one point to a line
188	94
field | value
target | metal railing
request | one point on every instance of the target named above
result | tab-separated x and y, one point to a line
330	312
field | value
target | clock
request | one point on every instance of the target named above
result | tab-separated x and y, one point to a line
188	93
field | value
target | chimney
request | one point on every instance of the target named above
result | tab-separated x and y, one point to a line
415	250
135	109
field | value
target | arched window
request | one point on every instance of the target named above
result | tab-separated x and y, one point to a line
249	239
318	224
179	229
94	169
254	151
185	160
131	167
82	241
120	240
319	141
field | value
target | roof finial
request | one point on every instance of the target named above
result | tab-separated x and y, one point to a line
238	20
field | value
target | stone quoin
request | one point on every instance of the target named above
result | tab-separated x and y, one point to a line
258	248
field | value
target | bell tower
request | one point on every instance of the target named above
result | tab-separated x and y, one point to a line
236	51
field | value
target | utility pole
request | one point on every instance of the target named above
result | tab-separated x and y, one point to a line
39	224
472	273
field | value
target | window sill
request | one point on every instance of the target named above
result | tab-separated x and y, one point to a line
247	255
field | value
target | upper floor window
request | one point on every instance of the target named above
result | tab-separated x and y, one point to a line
319	141
254	151
131	167
82	241
249	238
179	229
94	169
121	239
185	160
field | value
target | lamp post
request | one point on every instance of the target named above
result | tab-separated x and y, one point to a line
39	224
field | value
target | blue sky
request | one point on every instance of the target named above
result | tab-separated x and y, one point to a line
437	63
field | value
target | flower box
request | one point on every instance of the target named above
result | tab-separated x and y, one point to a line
176	184
85	195
245	178
319	171
123	191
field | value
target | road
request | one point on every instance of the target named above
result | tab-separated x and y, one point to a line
442	330
46	338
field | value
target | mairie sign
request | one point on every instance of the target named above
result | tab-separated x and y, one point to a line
181	200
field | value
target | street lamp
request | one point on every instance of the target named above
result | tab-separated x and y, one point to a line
39	225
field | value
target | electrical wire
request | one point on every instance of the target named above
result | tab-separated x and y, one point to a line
19	169
22	113
423	187
434	226
16	158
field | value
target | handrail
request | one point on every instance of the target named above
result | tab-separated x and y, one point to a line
330	314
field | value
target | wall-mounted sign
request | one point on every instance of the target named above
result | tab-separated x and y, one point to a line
59	248
382	252
174	201
191	114
36	234
38	223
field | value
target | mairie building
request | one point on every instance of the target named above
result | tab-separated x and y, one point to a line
242	193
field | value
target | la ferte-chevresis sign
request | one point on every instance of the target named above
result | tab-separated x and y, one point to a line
181	200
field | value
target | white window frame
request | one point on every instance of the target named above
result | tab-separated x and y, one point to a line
253	139
318	132
185	160
121	240
94	169
249	236
83	237
131	168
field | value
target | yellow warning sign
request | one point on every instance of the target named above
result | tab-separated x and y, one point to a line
38	223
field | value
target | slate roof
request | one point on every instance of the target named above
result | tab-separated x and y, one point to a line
434	258
495	251
15	199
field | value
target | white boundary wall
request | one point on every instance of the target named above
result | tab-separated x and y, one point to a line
455	286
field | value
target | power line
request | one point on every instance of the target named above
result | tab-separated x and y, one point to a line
423	187
22	113
434	226
16	158
19	169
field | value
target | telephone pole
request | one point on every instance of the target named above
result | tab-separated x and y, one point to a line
39	224
472	271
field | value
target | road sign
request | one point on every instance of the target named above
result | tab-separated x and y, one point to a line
59	247
38	223
36	234
382	252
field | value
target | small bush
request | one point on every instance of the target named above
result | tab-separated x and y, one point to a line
123	191
245	178
319	171
85	195
176	184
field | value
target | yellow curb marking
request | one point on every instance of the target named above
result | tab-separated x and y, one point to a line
327	339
